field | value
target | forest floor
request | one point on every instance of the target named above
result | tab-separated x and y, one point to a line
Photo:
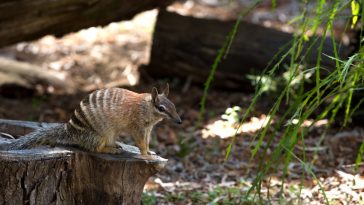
197	172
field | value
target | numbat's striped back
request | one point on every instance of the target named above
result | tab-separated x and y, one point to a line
93	112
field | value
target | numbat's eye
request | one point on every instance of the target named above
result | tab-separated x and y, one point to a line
161	108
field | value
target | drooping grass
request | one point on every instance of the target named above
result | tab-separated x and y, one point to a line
331	93
222	53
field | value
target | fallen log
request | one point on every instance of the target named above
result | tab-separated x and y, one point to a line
186	46
29	20
69	176
27	75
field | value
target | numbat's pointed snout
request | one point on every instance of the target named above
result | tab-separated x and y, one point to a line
179	121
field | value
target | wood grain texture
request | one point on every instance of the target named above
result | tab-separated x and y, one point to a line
63	176
69	176
27	20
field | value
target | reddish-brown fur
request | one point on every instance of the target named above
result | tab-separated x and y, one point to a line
112	112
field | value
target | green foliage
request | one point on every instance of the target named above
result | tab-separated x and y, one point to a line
38	101
220	195
331	92
197	197
269	84
149	198
175	197
186	145
222	53
360	156
355	9
232	114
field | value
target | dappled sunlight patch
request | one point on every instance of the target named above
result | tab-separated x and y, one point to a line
339	187
143	22
225	129
309	123
157	183
342	187
177	192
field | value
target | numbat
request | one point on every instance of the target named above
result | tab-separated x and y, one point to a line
102	117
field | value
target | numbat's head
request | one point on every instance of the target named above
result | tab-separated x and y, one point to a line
164	107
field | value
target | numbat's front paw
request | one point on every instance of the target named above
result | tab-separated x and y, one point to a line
151	153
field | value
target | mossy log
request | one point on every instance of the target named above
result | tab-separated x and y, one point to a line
69	176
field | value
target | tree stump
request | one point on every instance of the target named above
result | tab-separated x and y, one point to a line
70	176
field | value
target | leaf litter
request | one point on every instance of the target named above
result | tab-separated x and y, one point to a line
197	172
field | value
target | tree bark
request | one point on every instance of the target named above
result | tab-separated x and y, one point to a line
28	20
69	176
186	46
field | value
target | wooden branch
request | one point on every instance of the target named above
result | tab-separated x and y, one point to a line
69	176
185	46
28	20
28	75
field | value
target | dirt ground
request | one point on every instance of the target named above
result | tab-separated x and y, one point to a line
197	172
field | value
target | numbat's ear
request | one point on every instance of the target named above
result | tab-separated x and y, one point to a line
166	90
155	98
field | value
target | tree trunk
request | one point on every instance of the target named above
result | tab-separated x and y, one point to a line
28	20
68	176
186	46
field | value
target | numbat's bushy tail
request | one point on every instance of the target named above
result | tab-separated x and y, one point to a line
102	117
44	136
